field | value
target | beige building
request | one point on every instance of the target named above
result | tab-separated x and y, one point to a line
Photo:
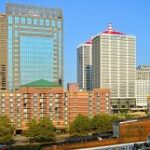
3	52
114	66
84	65
142	85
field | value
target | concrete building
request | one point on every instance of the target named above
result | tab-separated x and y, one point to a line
3	52
44	99
142	85
84	65
35	44
114	66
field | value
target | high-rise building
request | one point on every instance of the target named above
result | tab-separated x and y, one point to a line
84	65
3	52
142	85
35	44
114	66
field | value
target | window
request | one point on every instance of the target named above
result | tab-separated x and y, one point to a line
10	20
25	110
19	125
12	120
29	20
11	105
16	20
53	23
18	100
41	22
11	100
35	21
47	23
35	109
16	33
3	104
11	94
23	20
66	122
18	94
3	110
59	24
18	104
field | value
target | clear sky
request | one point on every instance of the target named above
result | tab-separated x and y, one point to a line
84	18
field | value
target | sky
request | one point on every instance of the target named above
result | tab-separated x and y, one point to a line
85	18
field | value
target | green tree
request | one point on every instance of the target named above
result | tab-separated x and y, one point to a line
103	122
80	126
126	116
41	130
6	130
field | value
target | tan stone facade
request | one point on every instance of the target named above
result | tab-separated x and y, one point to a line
3	52
59	105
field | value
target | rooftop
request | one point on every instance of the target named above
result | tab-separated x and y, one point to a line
88	41
42	83
110	30
32	10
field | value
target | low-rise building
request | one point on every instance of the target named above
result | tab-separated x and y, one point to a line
44	99
142	86
132	129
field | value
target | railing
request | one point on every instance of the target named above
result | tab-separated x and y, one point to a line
94	143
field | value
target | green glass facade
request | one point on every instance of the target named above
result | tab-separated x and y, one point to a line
35	45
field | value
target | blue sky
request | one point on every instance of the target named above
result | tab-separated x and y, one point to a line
84	18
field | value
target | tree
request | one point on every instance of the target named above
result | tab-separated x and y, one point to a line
103	122
41	130
80	126
6	130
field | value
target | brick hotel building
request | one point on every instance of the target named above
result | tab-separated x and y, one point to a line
60	105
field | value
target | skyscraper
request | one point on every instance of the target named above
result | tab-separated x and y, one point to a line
35	44
142	85
84	65
114	66
3	52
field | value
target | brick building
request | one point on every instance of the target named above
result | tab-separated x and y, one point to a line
60	105
132	129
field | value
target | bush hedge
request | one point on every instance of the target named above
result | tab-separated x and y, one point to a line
26	147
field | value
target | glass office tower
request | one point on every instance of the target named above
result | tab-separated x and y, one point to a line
35	44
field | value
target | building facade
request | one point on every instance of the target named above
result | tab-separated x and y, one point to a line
3	52
35	44
142	85
114	66
61	106
84	65
130	130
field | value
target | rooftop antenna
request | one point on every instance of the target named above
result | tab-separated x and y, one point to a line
110	27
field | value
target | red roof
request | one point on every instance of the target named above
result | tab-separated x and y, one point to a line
111	31
89	41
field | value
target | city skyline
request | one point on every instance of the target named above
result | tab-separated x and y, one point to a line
80	26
